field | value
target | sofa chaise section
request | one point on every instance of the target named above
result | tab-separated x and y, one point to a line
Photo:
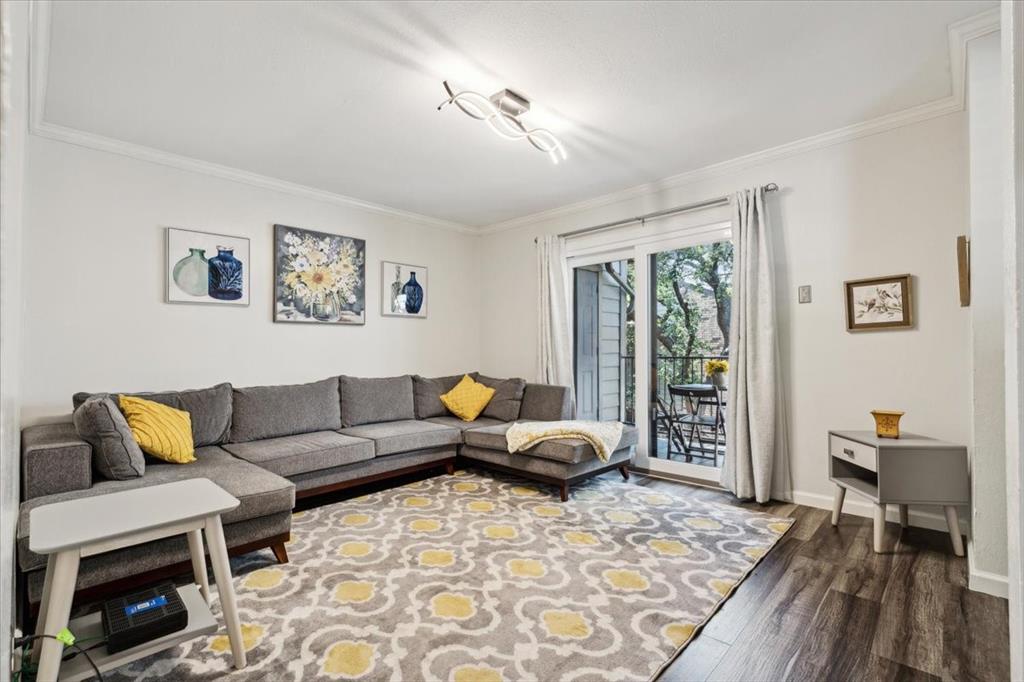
560	462
263	519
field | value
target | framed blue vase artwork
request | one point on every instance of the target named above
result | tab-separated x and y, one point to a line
206	267
403	290
319	278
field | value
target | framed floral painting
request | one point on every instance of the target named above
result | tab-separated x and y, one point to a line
319	278
879	303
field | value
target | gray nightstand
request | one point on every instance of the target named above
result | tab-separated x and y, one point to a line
911	469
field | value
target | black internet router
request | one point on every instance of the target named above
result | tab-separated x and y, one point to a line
143	616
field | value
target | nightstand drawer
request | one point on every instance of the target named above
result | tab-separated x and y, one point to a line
856	453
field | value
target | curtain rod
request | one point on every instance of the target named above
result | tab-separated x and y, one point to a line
717	201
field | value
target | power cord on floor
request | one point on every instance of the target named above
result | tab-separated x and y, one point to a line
22	641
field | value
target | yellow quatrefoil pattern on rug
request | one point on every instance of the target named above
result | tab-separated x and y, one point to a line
468	399
481	578
161	431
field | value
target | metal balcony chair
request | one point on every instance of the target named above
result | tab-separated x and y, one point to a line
692	399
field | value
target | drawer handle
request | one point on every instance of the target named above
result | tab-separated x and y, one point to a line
849	453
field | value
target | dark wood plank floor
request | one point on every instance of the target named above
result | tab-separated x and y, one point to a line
823	606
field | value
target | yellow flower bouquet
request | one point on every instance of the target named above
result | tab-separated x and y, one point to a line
716	367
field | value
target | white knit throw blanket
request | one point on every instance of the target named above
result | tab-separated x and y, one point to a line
604	437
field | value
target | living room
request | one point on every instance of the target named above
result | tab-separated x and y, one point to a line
508	341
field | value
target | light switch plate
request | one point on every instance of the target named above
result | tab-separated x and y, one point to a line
804	293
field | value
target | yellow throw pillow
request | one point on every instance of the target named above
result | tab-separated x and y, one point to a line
161	431
468	399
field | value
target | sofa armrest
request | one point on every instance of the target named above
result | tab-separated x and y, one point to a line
544	402
54	460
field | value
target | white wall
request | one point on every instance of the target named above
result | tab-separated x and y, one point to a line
94	286
886	204
14	20
988	461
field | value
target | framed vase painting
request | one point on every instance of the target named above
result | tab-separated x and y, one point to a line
319	278
879	303
403	290
205	267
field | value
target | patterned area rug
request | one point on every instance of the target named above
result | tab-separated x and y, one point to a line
478	578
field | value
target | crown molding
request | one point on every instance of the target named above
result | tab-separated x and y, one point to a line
40	20
960	34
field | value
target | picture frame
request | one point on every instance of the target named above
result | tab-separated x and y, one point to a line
319	277
404	290
206	268
879	303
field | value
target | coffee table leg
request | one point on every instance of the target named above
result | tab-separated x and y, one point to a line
225	590
195	548
61	591
44	604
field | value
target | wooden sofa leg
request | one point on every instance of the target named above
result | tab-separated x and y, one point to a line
449	468
280	552
624	470
564	491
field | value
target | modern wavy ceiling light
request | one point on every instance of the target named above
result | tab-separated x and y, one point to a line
502	111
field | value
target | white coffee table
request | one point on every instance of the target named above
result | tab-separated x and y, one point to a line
69	531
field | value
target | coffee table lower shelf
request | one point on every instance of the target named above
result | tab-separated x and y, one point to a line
200	622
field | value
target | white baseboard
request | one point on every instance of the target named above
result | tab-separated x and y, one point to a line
984	581
859	507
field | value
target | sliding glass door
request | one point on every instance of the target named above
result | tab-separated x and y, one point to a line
651	324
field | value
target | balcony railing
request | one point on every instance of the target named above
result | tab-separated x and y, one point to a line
672	369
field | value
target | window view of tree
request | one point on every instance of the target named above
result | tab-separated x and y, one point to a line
692	315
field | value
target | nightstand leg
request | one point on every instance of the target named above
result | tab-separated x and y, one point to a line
879	527
954	531
904	516
837	504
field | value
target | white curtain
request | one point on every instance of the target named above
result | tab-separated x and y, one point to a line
756	448
554	333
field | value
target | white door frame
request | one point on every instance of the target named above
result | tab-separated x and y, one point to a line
639	246
705	235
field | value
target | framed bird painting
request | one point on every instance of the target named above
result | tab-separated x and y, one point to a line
879	303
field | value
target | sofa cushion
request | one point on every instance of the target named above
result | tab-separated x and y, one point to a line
272	411
260	492
568	450
116	454
208	408
404	436
367	401
544	402
427	394
507	400
298	454
461	425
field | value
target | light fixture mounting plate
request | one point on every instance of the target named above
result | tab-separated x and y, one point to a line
510	102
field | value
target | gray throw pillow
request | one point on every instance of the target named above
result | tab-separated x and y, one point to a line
507	400
427	394
115	454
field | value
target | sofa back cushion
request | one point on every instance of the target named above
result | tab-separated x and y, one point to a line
427	394
545	402
272	411
366	401
210	409
507	400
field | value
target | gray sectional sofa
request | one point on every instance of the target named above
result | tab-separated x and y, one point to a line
268	445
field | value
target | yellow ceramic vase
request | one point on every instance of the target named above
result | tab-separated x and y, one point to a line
887	423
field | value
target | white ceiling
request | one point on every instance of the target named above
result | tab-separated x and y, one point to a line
342	96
